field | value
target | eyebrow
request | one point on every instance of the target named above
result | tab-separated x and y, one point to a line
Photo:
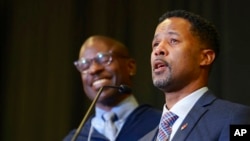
168	33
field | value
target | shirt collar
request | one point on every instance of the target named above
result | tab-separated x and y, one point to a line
122	110
186	103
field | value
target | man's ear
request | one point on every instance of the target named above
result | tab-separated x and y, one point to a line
207	57
131	67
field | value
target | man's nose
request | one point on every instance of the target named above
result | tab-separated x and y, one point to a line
160	50
95	67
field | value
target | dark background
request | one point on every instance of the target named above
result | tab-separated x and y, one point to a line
41	91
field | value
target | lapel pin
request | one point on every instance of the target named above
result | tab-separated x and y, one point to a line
184	126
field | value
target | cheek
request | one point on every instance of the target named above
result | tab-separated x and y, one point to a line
186	54
152	58
180	60
187	62
113	72
84	79
120	75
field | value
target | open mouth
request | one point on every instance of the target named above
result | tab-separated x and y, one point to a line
159	65
100	83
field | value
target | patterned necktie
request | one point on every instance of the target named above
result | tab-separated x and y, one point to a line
109	126
165	127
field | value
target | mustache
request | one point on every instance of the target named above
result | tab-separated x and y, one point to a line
159	61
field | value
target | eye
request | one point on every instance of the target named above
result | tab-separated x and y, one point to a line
84	64
173	41
103	58
155	44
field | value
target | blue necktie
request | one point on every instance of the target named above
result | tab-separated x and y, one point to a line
110	129
165	127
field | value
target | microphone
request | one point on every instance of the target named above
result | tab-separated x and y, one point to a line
122	89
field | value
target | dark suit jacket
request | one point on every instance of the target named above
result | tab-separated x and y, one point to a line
208	120
141	121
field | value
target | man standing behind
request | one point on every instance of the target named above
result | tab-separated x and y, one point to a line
104	61
184	48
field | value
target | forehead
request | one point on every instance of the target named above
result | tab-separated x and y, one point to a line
173	25
91	48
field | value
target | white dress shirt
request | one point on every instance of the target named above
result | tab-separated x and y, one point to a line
122	111
182	108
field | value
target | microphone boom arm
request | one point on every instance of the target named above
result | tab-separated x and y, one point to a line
123	89
87	114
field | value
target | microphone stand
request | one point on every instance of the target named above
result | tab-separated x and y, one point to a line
87	114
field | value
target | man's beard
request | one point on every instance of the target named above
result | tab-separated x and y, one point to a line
163	79
163	82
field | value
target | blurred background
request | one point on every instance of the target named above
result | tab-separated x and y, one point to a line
41	92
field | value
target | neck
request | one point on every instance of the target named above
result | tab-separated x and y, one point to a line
107	105
171	98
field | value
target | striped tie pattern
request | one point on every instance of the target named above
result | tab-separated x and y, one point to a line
165	127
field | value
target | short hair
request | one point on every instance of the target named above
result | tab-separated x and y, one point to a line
200	27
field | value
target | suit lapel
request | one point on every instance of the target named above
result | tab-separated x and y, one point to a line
151	136
193	116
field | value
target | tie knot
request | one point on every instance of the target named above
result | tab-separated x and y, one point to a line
110	129
109	116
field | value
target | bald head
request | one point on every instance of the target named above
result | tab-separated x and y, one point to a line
104	61
107	43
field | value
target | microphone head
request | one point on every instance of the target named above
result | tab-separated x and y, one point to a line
124	89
